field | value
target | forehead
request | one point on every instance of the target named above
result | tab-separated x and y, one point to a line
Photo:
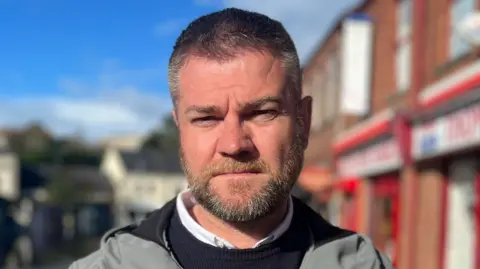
248	76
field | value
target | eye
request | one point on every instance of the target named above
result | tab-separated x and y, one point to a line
205	121
265	115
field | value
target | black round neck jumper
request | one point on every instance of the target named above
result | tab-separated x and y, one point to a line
286	252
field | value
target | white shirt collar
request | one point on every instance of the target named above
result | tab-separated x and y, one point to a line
185	201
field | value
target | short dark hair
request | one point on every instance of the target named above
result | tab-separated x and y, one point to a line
222	34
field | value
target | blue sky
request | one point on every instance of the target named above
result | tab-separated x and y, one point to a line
99	67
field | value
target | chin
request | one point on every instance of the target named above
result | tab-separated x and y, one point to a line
238	209
236	189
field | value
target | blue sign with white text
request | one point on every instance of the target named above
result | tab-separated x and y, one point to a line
428	144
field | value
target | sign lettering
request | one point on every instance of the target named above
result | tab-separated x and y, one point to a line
449	133
378	158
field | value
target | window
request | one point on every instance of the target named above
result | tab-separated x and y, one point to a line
404	45
333	69
458	11
317	89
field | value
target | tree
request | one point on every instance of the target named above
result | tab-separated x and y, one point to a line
63	191
165	139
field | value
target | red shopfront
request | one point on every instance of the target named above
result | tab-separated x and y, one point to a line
374	153
378	161
448	133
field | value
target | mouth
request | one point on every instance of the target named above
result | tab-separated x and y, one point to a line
239	173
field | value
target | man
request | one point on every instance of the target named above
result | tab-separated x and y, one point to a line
235	83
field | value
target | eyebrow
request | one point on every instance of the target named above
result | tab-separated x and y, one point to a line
201	109
256	104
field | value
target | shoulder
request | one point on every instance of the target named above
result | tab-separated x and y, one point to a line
358	251
130	243
353	251
109	254
92	261
339	248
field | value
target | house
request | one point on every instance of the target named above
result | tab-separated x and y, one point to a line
142	180
9	170
32	138
130	142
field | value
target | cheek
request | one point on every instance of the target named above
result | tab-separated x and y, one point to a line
198	149
274	142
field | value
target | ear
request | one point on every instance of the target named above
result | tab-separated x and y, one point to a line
174	115
305	113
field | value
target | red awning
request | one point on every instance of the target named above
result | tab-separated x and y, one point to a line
317	181
348	185
314	179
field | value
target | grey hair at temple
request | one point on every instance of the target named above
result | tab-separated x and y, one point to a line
224	34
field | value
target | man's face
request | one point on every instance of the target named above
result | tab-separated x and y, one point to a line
242	139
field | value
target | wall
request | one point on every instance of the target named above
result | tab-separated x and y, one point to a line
150	189
112	166
318	151
429	219
9	176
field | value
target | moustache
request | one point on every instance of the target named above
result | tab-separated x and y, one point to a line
232	166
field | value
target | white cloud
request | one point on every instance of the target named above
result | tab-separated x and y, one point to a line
118	101
306	20
95	116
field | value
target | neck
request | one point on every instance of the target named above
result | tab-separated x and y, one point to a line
241	235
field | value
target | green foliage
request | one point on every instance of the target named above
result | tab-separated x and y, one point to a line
63	191
34	145
165	139
71	157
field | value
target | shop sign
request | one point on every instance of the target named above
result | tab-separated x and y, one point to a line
456	131
382	157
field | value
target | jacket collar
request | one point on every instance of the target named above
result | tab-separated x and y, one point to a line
153	227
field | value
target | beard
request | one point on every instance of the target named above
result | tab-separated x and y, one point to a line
254	206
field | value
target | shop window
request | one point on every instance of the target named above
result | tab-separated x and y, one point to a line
350	210
384	226
461	231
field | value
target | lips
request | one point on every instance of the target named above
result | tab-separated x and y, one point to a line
239	173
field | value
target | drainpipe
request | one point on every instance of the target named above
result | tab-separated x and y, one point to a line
419	48
418	80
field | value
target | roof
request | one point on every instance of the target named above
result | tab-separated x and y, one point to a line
79	174
151	161
335	26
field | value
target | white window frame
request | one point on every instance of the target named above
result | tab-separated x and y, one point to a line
317	90
403	43
332	85
458	46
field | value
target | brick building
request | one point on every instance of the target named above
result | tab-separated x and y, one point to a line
406	169
321	81
445	142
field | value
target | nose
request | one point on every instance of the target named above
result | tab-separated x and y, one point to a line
234	140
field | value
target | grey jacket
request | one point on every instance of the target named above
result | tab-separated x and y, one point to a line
132	248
